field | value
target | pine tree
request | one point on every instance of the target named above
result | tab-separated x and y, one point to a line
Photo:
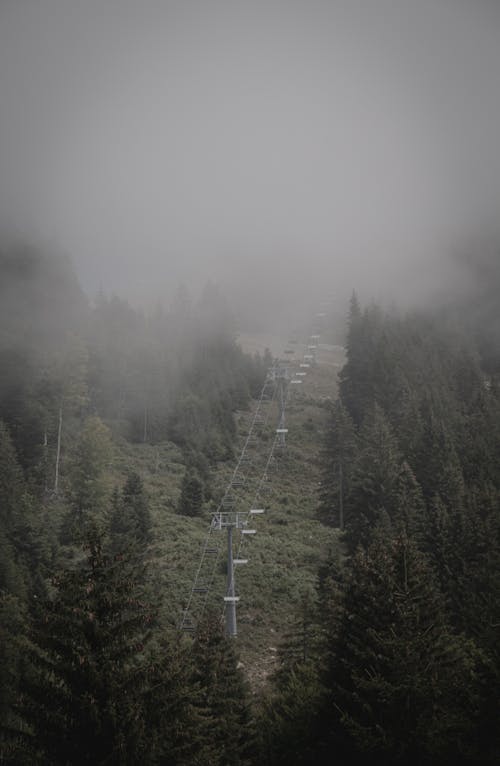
437	465
409	508
338	460
301	642
406	419
289	717
11	482
374	480
131	519
353	382
88	491
191	499
173	726
82	699
13	644
21	543
224	698
289	725
403	686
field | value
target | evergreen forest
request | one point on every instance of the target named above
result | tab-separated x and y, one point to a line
372	637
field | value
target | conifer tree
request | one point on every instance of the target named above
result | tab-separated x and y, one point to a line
13	632
403	686
288	725
409	508
224	697
374	480
21	543
82	699
173	729
88	491
11	482
352	378
338	460
301	643
131	519
191	499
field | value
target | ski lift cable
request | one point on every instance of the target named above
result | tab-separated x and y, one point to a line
229	487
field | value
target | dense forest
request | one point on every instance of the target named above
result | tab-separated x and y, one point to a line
393	657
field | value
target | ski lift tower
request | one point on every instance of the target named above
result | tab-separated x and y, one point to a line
231	520
281	375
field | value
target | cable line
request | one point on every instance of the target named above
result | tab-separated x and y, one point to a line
228	517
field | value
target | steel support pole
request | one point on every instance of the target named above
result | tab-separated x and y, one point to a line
281	401
230	605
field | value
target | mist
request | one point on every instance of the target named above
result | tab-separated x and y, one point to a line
282	149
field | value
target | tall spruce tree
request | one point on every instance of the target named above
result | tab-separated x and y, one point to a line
375	477
82	699
288	724
224	697
337	465
403	685
130	524
88	489
191	498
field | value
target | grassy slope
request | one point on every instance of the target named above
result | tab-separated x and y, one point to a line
283	556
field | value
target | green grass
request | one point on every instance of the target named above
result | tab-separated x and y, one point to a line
284	555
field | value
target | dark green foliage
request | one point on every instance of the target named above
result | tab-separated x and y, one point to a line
87	489
404	688
82	698
13	631
172	722
130	523
338	460
375	475
229	737
191	499
21	539
302	642
288	725
354	388
414	666
409	508
21	407
401	659
11	483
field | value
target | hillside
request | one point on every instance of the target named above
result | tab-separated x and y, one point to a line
283	556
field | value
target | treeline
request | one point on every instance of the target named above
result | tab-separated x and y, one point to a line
174	375
89	671
394	657
90	676
402	665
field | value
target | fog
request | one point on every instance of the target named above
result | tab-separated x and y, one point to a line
283	149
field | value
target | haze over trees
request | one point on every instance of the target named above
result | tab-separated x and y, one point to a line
189	193
393	655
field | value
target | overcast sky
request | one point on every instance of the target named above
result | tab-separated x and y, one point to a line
268	144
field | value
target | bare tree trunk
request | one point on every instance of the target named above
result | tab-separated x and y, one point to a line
58	453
